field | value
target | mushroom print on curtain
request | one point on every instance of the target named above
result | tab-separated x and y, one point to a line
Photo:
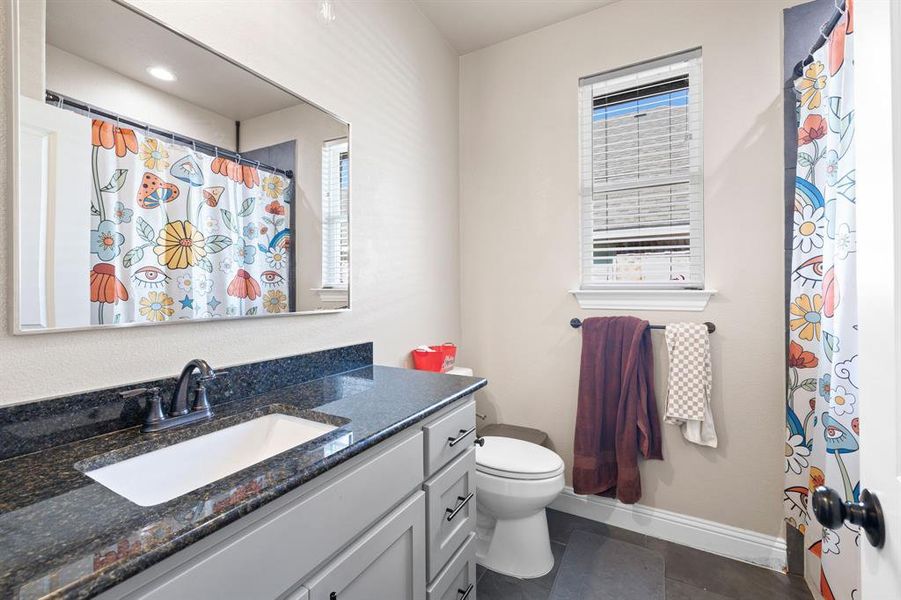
178	234
823	396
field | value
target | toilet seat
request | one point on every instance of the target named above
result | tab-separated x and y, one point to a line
516	459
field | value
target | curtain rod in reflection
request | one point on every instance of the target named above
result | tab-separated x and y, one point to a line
92	111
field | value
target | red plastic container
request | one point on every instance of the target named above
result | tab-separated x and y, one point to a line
439	361
450	355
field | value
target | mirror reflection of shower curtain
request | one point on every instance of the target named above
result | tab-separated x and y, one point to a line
178	234
822	427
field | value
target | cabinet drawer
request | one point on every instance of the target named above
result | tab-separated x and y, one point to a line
451	514
458	580
386	562
449	437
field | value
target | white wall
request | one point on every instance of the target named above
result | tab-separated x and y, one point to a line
383	68
520	238
310	127
83	80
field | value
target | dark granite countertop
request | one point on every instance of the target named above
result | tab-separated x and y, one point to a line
66	536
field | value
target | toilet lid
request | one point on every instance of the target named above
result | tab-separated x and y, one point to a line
517	459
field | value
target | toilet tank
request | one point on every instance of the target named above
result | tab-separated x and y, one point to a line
460	371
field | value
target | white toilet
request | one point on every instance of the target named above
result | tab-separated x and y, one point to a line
515	481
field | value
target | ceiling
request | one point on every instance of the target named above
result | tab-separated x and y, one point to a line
135	43
472	24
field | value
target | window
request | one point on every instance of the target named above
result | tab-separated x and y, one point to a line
642	202
335	214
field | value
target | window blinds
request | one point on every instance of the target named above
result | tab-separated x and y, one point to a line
335	214
642	202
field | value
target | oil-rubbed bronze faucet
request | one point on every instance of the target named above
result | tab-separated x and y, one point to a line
179	412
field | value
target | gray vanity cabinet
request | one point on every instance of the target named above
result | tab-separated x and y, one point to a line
393	523
389	562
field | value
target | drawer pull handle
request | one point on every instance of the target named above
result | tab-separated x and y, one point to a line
461	502
479	441
463	433
465	592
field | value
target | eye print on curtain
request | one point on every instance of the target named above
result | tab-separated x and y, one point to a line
177	234
823	396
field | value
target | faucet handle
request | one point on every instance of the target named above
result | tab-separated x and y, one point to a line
154	415
201	403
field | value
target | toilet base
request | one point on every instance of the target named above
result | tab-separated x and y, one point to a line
519	547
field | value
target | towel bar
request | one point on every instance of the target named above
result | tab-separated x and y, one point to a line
575	323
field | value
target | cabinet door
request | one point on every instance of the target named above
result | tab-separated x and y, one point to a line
386	563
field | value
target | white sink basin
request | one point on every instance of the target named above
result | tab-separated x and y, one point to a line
170	472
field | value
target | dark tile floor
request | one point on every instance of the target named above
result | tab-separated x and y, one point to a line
690	574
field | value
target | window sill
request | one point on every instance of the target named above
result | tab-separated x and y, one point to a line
332	294
620	299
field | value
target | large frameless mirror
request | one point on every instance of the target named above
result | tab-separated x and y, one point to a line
158	181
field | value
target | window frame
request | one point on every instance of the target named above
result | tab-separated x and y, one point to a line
331	223
692	294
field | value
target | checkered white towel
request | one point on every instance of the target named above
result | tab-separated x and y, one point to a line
690	380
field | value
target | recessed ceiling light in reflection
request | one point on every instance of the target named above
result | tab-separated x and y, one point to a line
162	73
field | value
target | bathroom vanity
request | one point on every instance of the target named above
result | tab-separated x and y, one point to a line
379	505
370	528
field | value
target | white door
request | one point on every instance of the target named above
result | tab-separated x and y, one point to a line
54	216
878	145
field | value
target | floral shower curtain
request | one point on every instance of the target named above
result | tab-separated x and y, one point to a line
178	234
822	427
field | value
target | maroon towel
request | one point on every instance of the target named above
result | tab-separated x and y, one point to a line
617	415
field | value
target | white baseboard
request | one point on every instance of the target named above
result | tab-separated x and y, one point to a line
717	538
